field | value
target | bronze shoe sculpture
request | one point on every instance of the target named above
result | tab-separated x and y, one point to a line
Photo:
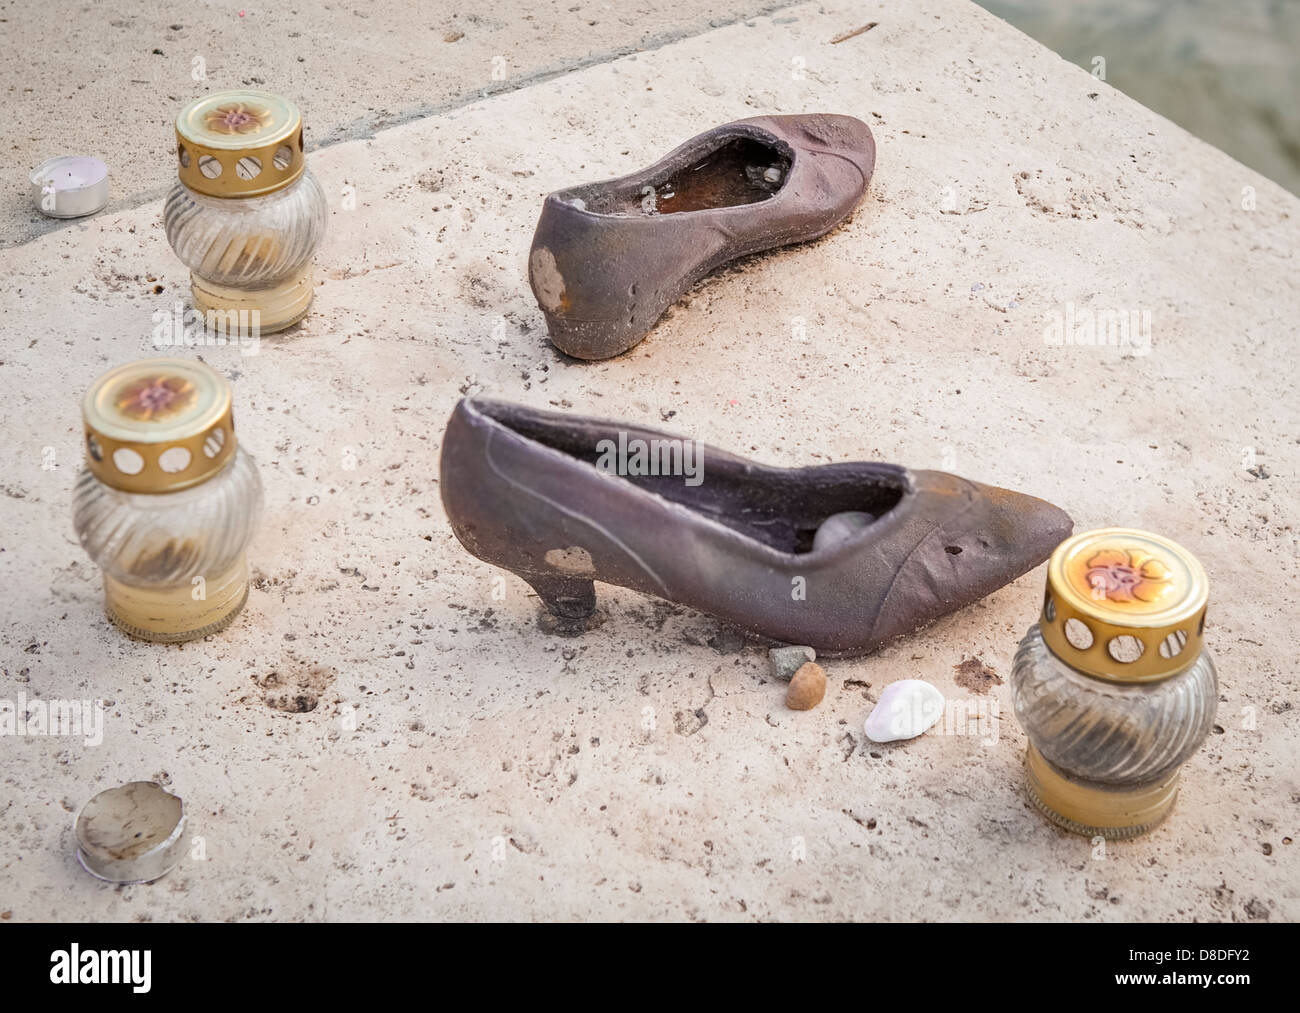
839	557
609	258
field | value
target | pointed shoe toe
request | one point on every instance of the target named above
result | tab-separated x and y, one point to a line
840	557
970	540
609	258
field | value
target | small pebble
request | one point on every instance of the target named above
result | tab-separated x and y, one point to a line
772	174
806	688
906	709
837	527
788	660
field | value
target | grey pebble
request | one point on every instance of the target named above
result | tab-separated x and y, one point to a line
788	660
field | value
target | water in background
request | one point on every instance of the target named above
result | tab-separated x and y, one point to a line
1225	70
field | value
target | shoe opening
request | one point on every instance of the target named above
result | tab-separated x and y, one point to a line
742	170
794	512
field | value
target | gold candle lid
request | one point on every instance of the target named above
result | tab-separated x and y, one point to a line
239	143
1124	605
158	425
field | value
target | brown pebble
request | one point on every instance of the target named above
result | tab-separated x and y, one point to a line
806	688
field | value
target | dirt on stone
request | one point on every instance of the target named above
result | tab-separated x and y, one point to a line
973	674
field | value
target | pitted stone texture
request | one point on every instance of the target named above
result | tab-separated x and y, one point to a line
463	765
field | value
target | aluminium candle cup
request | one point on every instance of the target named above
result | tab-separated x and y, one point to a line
245	214
1113	685
70	186
131	834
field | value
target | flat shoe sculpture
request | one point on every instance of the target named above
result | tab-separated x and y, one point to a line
840	557
608	258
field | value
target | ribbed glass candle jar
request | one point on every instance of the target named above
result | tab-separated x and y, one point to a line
245	214
168	500
1113	686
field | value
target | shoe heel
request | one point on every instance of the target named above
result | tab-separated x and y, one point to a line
570	599
589	340
566	336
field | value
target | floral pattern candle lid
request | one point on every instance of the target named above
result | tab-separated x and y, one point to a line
1125	605
239	143
158	425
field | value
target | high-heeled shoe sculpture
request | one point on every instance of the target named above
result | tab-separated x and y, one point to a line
839	557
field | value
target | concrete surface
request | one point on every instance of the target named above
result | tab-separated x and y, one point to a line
457	763
109	79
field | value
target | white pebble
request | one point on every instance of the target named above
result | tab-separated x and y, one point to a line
772	174
906	709
837	527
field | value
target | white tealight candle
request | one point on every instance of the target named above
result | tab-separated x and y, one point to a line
70	186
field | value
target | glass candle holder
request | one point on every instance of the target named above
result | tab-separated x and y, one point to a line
168	501
1113	685
245	214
